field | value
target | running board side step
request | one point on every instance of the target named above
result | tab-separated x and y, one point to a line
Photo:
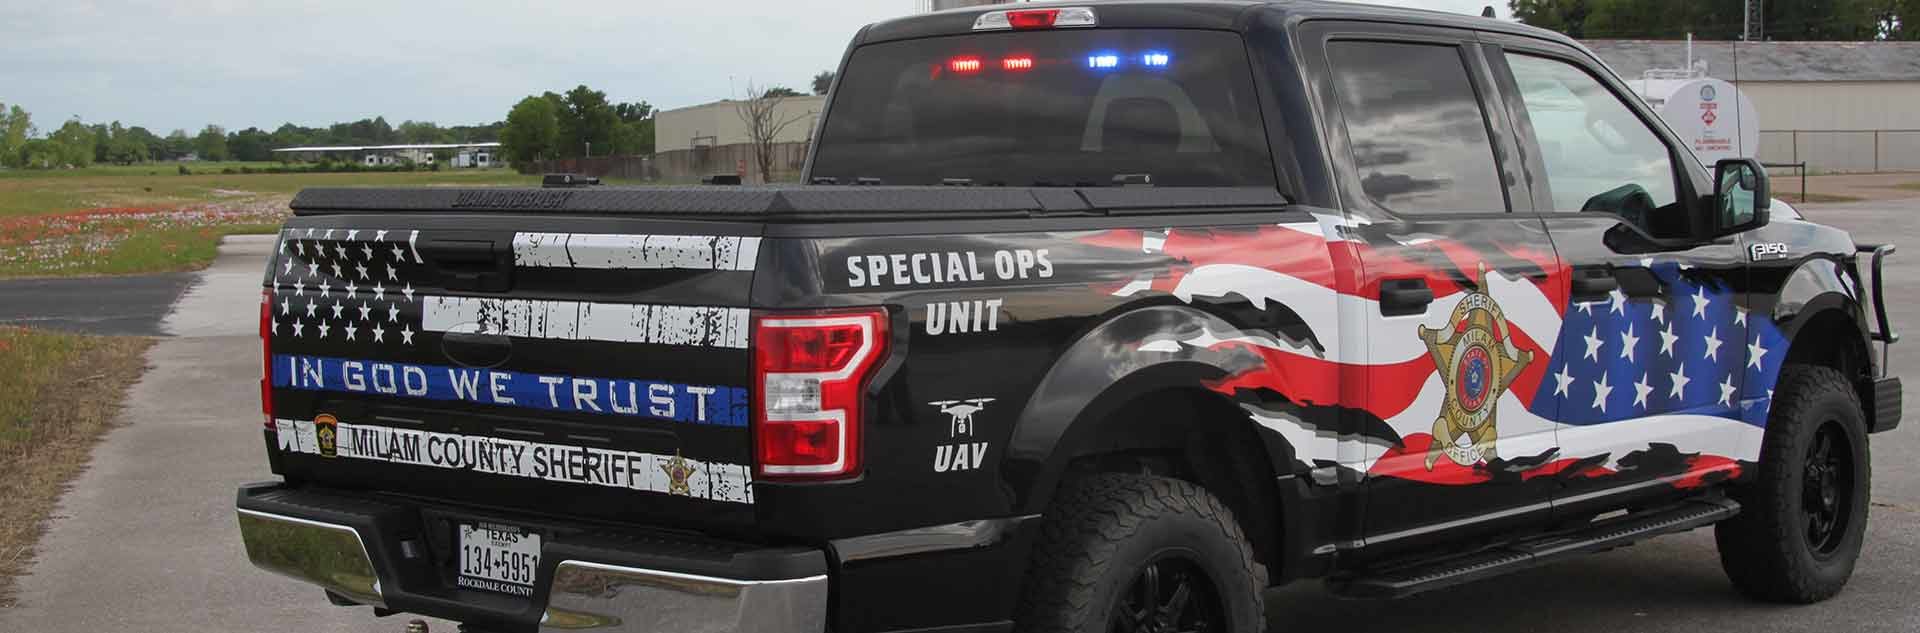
1426	575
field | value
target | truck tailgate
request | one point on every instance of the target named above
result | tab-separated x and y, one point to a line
591	367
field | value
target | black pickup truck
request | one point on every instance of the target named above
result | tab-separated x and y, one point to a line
1098	317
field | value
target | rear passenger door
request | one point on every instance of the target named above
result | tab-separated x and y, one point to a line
1649	364
1457	286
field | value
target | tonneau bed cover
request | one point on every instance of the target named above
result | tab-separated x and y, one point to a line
788	203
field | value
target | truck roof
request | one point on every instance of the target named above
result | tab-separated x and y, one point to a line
1199	14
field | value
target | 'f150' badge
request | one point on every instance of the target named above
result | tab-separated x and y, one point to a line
1477	361
1766	251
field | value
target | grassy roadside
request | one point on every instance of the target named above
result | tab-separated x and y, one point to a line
116	220
59	393
128	240
31	192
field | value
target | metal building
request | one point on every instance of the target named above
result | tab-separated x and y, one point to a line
464	154
710	139
1838	106
719	123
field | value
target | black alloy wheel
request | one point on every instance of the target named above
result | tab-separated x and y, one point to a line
1803	506
1826	489
1170	595
1137	553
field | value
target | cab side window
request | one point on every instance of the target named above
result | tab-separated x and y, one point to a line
1415	128
1599	156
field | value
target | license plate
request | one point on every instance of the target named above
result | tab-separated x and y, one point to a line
499	558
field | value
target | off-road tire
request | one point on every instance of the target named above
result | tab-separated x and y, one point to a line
1103	530
1766	550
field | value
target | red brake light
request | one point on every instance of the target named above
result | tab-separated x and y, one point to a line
1032	19
964	64
811	373
1016	63
1063	17
818	348
266	356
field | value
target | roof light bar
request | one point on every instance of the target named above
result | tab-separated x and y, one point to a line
1068	17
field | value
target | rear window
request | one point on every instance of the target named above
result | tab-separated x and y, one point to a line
1048	108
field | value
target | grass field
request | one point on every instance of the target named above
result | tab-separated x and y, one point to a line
112	219
59	394
29	192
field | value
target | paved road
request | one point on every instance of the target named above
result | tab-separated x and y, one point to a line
96	305
146	540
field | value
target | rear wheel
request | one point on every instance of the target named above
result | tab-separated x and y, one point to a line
1122	553
1803	517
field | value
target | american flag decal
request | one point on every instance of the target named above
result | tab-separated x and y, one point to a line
358	286
1685	374
347	285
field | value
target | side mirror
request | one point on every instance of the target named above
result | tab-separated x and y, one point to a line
1741	196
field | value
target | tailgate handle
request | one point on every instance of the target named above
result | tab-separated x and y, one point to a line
469	264
479	350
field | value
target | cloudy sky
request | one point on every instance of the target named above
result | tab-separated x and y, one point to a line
187	63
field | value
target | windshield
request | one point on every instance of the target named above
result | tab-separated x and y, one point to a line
1048	108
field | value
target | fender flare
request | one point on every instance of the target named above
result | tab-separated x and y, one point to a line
1136	352
1813	290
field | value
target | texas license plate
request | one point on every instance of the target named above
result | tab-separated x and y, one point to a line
500	558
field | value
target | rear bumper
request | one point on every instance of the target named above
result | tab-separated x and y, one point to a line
393	556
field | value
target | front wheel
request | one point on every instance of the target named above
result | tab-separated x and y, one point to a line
1138	553
1803	518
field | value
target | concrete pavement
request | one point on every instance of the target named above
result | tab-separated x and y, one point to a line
146	539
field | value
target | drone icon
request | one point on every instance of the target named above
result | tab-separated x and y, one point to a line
961	412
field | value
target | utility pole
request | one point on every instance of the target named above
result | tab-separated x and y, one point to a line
1755	24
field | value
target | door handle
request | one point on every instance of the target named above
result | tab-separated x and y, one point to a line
1593	284
1401	297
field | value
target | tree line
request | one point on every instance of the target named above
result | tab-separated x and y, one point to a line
1796	20
79	144
583	122
580	122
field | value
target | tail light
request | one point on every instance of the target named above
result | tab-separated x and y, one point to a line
811	372
266	356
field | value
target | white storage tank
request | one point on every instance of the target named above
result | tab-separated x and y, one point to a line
1712	116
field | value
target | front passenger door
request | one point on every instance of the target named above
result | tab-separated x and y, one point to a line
1456	294
1647	369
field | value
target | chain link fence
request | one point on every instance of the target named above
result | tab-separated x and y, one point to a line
1843	151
